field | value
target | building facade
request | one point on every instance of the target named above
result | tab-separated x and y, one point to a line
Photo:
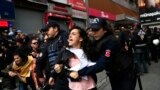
29	15
124	11
32	15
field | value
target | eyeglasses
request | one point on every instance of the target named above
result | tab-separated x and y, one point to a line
35	43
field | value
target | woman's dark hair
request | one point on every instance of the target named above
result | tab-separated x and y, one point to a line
22	54
86	44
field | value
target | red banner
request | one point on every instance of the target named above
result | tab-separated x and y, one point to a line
78	4
3	23
98	13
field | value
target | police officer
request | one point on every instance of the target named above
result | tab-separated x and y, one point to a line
56	40
109	48
6	48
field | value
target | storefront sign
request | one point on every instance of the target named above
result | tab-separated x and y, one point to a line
149	10
59	9
78	4
98	13
3	23
79	14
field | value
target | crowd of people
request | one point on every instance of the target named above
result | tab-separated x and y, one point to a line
69	59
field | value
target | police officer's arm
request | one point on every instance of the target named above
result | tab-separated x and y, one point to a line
103	62
98	67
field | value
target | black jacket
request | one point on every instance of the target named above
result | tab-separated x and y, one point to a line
48	54
107	52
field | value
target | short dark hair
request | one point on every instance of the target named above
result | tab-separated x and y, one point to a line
49	25
22	54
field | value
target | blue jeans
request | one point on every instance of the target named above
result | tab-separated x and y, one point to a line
24	86
140	62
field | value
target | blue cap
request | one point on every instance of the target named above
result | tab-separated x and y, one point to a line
19	31
98	23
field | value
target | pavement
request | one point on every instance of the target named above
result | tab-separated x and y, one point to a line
150	81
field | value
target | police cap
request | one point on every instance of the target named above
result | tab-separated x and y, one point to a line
98	23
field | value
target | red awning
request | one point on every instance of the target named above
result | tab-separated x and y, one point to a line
99	13
112	7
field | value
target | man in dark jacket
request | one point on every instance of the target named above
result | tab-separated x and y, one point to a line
46	61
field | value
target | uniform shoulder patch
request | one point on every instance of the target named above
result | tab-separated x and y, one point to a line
108	53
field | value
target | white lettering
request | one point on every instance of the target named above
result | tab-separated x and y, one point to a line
150	14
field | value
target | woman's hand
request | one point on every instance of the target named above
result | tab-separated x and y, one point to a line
58	68
74	75
12	74
51	81
42	81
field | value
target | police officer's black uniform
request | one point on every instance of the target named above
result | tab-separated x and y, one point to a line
108	49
